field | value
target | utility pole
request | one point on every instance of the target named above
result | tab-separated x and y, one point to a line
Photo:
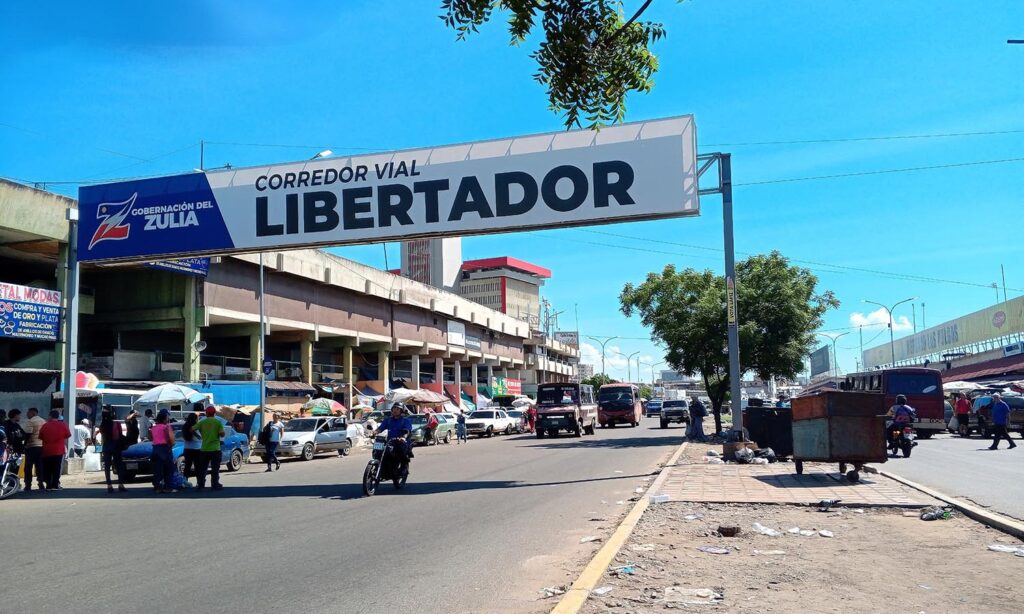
1002	271
835	354
603	344
861	331
913	311
892	341
629	367
924	323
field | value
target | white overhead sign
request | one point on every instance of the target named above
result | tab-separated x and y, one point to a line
636	171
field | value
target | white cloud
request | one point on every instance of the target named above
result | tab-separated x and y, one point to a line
879	318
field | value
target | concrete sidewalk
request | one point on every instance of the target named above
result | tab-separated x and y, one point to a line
693	480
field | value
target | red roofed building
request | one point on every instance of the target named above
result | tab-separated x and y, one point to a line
505	284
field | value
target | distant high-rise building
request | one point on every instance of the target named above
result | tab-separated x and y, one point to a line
435	262
585	371
508	285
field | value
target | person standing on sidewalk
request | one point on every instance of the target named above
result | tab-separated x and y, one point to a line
212	432
697	413
112	442
192	451
161	458
54	435
963	414
430	432
145	424
274	432
460	427
1000	420
81	436
33	449
15	434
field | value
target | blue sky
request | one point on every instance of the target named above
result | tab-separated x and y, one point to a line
118	89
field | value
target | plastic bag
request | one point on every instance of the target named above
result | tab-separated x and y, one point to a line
91	461
954	423
744	455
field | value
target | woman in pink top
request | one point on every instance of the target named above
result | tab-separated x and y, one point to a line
161	458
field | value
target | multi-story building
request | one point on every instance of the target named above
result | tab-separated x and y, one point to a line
548	360
435	262
505	284
584	371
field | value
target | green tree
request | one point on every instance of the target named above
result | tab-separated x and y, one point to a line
779	308
645	391
591	55
599	379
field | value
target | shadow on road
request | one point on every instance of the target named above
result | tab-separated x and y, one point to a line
566	441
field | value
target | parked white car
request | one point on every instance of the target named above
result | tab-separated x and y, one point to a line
487	422
307	437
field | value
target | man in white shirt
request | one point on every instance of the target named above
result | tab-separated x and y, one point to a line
145	423
80	438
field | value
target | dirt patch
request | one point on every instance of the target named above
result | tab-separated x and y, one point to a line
876	560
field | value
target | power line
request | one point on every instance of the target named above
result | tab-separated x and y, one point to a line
288	146
879	172
50	136
895	137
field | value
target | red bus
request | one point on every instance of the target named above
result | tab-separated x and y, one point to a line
922	387
619	403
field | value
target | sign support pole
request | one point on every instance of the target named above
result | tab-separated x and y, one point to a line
71	322
263	350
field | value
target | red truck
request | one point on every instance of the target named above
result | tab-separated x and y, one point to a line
565	407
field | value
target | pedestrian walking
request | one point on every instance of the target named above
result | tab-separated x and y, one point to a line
161	457
131	425
145	424
275	429
531	414
15	434
460	427
963	414
193	444
211	431
80	438
53	435
430	432
1000	420
33	449
697	413
112	444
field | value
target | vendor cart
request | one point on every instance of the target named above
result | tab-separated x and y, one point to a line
836	426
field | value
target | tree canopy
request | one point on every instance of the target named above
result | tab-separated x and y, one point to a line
599	379
591	55
779	308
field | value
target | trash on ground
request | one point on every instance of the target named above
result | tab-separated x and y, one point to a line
806	532
759	461
660	498
638	490
743	455
770	552
602	590
589	538
694	596
620	503
713	550
1014	550
826	533
552	591
642	547
713	460
825	504
725	531
937	513
693	516
619	471
794	531
858	511
597	519
763	530
766	453
711	453
927	588
627	570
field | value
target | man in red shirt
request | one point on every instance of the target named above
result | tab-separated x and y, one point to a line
963	414
54	435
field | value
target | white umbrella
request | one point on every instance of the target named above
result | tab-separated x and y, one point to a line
523	402
169	393
958	386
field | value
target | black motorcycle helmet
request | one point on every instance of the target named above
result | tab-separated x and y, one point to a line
901	399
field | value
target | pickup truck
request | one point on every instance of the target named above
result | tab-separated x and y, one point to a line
566	407
487	422
675	411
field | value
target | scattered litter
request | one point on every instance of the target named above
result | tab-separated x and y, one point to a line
619	471
597	519
927	588
763	530
713	550
759	461
627	570
826	533
620	503
638	490
552	591
642	547
660	498
1014	550
937	513
693	516
589	538
858	511
728	531
770	552
711	453
694	596
766	453
743	455
794	531
603	590
807	533
713	460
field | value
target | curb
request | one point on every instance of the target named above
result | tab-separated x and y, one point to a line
574	598
991	519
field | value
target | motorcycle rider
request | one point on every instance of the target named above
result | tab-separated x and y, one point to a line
901	415
398	427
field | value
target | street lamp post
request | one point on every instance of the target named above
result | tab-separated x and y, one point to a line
889	310
629	367
603	344
835	355
660	362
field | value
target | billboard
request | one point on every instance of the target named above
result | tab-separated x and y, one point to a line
199	267
568	337
821	361
456	333
29	313
993	322
642	170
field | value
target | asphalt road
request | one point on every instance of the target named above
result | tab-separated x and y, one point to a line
480	527
966	468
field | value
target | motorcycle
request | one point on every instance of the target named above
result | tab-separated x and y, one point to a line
388	461
10	483
901	439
